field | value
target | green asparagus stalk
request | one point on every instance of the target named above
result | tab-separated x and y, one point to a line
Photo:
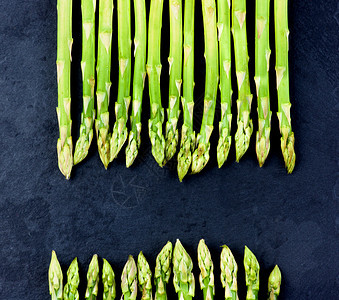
88	80
282	73
162	271
120	133
175	80
201	154
139	75
153	68
274	282
262	65
55	278
64	57
104	79
228	276
71	287
92	279
224	28
129	280
183	278
144	278
187	143
206	277
108	281
245	125
252	269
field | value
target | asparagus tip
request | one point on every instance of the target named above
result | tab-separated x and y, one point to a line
287	148
274	282
118	139
262	148
200	157
242	138
223	149
65	157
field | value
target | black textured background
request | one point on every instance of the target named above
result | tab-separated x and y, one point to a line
290	220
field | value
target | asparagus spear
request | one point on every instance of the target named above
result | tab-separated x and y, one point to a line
183	278
108	281
262	65
282	73
274	282
144	278
162	271
201	154
153	68
104	79
138	80
206	277
71	287
245	125
252	269
64	57
55	278
92	279
224	28
187	143
175	80
129	281
119	134
228	276
88	80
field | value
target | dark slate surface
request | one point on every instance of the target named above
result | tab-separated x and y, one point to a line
291	220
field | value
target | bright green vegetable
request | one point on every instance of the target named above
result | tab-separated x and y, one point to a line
119	134
262	65
228	276
162	271
201	154
92	279
206	277
104	79
175	78
129	280
187	143
144	278
55	278
64	57
139	75
71	287
183	278
245	125
252	269
153	68
274	282
282	73
224	28
88	80
108	281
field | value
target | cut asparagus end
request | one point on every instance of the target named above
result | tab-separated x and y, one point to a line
224	146
206	277
252	269
65	156
132	149
200	157
263	146
228	276
129	285
108	281
287	148
144	278
92	278
274	283
71	287
242	138
171	141
118	139
55	278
